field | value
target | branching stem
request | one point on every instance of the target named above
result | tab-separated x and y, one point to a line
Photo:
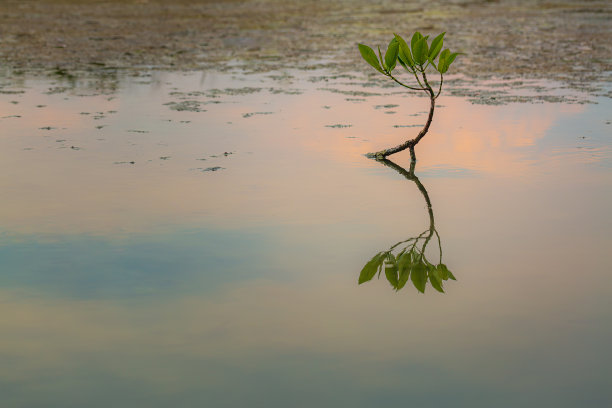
404	85
411	143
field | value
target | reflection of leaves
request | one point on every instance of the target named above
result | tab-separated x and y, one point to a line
409	263
403	265
434	278
418	275
369	270
391	270
445	273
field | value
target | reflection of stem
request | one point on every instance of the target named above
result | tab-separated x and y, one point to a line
439	246
412	177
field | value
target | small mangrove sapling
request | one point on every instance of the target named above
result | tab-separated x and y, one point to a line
415	59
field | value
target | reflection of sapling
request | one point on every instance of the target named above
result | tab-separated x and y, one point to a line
407	258
415	59
411	263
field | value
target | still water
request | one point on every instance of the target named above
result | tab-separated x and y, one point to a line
196	240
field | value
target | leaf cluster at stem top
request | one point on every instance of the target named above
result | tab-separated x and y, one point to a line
414	58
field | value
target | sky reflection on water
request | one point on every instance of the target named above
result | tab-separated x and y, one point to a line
157	283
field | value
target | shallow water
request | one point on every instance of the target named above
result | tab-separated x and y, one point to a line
196	240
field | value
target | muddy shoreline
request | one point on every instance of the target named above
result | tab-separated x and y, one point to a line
565	41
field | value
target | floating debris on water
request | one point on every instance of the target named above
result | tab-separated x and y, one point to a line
46	128
165	158
189	106
285	91
8	92
338	125
407	126
57	90
138	131
350	93
225	154
388	106
233	91
248	115
215	168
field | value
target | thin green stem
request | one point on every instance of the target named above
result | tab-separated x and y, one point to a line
404	85
439	245
440	89
419	81
401	242
427	86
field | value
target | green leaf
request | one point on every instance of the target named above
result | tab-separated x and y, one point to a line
391	269
418	275
368	54
404	261
443	271
446	272
436	46
402	63
383	255
403	278
391	54
452	57
382	61
404	54
434	278
437	285
443	61
369	270
420	51
415	38
391	274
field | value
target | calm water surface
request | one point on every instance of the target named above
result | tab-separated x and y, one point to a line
196	240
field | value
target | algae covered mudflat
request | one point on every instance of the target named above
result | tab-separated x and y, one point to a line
562	40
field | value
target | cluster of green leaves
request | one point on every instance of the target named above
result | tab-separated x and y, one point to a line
407	264
416	57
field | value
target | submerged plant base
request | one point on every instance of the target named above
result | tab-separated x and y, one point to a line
382	154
